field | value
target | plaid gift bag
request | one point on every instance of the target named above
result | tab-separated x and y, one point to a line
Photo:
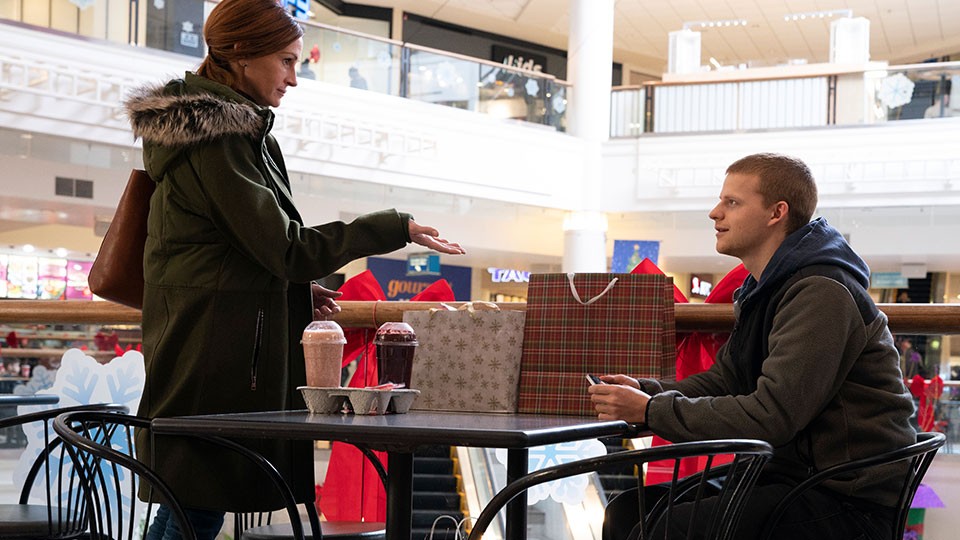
592	323
467	360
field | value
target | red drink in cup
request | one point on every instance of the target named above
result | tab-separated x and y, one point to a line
396	343
323	351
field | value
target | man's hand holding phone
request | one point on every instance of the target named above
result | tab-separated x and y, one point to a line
618	397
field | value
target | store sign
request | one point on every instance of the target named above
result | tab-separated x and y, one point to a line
701	285
423	264
392	276
519	59
299	8
505	275
175	26
77	286
627	254
888	280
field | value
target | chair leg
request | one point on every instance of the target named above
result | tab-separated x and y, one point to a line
314	521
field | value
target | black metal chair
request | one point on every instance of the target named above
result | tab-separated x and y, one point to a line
103	445
258	526
64	514
919	454
684	497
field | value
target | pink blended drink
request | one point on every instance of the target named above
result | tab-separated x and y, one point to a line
323	351
396	343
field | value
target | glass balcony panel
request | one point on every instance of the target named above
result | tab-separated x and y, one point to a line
489	89
917	92
350	60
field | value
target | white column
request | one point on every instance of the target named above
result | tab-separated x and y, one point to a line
590	71
590	68
585	242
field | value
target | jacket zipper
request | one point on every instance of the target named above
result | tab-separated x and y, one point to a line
256	350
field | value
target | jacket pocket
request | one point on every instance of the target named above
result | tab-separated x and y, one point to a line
257	342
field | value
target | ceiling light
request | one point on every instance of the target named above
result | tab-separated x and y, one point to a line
818	14
61	252
28	248
717	23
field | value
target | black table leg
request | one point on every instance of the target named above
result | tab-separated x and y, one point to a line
399	495
517	508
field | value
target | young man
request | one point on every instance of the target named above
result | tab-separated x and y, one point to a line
810	367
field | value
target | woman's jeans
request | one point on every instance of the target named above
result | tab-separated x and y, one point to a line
205	523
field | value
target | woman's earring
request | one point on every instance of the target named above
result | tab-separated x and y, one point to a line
244	65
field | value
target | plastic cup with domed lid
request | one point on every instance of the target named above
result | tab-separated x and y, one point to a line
396	343
323	351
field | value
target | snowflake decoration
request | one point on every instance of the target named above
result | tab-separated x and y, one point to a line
41	379
558	103
81	380
895	91
570	490
532	87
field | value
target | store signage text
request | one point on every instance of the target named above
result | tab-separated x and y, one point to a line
522	63
402	286
505	275
519	58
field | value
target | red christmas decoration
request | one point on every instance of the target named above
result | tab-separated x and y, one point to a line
352	490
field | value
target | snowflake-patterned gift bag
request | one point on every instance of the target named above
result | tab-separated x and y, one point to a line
467	360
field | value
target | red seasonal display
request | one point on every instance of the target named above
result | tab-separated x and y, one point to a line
342	497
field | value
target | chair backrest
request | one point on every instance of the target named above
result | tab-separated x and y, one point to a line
110	472
693	503
66	508
102	444
919	454
249	520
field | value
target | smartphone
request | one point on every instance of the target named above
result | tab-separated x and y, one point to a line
593	379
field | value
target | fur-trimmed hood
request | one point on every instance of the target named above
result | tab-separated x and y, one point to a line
182	113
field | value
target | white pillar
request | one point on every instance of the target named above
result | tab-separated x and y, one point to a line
850	40
684	52
590	68
585	242
590	71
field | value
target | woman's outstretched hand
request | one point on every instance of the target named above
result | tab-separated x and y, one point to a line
430	238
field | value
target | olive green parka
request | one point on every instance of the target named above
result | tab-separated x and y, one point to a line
227	266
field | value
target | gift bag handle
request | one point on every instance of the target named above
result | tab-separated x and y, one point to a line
576	296
470	307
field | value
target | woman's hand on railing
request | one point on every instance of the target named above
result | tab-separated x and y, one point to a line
323	301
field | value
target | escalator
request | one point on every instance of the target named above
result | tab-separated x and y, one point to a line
436	492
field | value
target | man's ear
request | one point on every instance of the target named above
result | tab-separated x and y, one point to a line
779	213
